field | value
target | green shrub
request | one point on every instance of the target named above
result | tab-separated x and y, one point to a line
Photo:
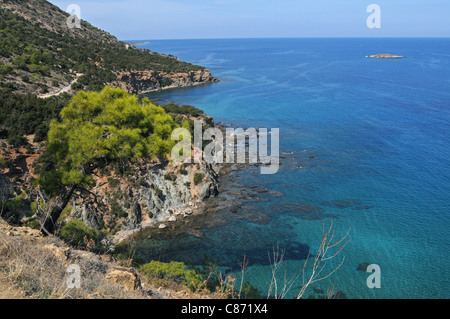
170	177
183	109
24	114
160	193
39	69
3	162
43	90
249	291
166	82
173	271
6	69
12	208
113	182
198	178
40	133
183	170
78	234
116	210
16	140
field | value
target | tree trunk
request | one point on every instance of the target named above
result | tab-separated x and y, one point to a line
49	224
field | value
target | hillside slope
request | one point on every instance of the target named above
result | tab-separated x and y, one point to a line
41	54
35	267
42	63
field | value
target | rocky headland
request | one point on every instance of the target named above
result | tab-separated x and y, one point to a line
143	82
149	194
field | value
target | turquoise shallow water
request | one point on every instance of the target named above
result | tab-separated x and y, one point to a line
366	140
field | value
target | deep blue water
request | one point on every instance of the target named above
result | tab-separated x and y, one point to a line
372	134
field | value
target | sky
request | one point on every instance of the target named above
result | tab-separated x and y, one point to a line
197	19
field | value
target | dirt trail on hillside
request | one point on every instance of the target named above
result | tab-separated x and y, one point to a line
63	90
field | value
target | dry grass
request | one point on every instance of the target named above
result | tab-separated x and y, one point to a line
8	290
33	266
33	271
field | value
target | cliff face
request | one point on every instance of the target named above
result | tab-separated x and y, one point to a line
142	82
149	195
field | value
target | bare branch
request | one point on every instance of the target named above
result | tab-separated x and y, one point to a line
328	249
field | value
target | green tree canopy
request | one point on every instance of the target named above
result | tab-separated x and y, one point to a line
98	129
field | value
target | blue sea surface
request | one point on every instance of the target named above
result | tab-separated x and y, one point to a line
365	140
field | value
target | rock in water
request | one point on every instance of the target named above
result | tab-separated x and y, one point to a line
385	56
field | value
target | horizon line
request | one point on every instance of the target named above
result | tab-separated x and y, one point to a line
302	37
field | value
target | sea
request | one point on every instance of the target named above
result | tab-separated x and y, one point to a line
364	146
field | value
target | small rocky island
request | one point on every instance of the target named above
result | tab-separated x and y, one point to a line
385	56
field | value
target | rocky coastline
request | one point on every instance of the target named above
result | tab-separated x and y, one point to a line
144	82
152	197
150	193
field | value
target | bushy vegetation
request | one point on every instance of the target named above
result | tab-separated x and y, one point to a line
198	178
184	116
6	69
205	278
113	182
38	56
97	130
170	177
183	170
29	264
79	235
37	50
173	271
25	114
10	208
183	109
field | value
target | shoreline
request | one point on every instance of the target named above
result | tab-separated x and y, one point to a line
170	87
234	197
198	209
190	208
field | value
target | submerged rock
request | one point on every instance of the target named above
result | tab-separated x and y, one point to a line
301	210
343	203
363	266
363	207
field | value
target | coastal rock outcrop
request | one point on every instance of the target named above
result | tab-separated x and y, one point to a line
142	82
150	195
121	201
385	56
